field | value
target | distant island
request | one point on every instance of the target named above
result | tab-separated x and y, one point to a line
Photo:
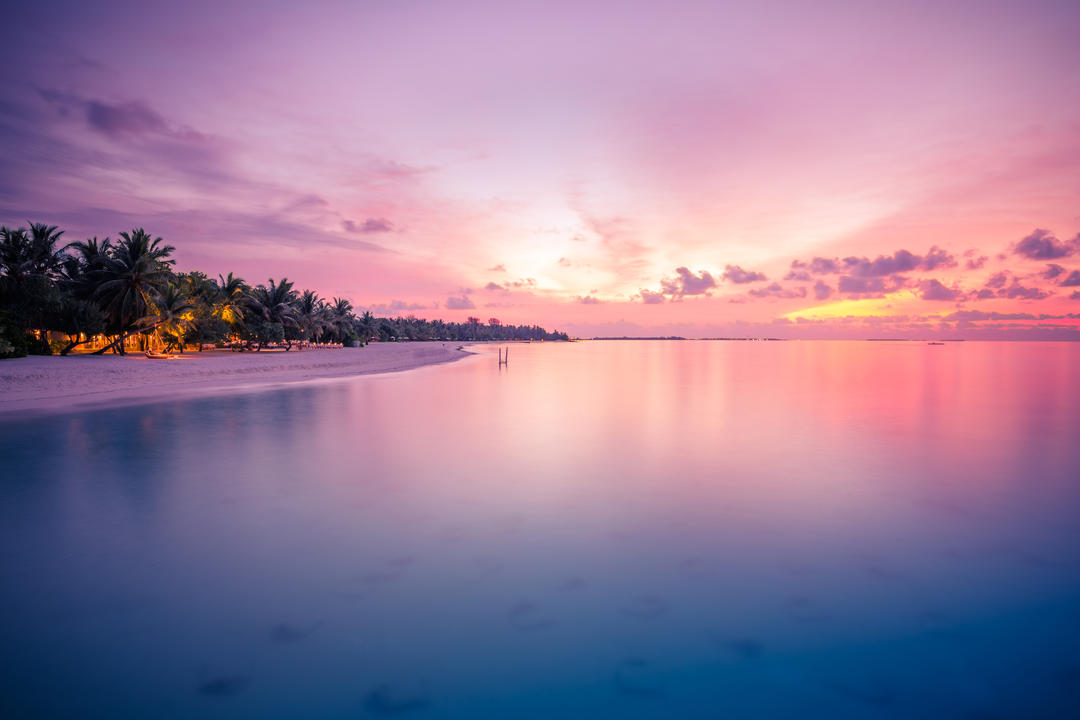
669	337
124	295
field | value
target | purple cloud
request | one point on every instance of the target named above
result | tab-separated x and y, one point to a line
395	306
652	298
371	225
687	283
1016	291
932	289
980	315
588	300
899	262
1072	280
1052	271
494	286
822	291
735	274
861	285
497	268
998	280
798	275
938	258
824	266
120	120
133	118
976	263
462	302
1042	245
775	290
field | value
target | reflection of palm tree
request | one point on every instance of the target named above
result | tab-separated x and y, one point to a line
135	271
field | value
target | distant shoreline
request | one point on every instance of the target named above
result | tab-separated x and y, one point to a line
49	384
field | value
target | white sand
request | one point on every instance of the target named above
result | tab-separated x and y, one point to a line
58	384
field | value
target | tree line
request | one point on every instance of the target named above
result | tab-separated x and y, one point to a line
128	291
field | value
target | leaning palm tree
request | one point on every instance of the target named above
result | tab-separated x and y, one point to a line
137	269
170	307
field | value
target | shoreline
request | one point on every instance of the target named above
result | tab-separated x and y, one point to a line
38	385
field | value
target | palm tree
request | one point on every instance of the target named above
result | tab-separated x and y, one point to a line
136	270
81	273
368	325
173	308
273	304
232	292
341	318
29	267
24	254
170	307
44	255
312	315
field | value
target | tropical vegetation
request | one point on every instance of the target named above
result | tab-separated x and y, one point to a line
112	295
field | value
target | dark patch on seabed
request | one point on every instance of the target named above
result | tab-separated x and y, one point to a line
398	697
638	677
224	686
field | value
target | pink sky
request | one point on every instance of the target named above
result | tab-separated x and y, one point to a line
558	163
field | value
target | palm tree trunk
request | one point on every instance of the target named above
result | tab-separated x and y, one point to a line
74	343
120	340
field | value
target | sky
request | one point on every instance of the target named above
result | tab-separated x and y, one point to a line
706	169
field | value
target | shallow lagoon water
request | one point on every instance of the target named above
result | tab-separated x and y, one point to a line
604	529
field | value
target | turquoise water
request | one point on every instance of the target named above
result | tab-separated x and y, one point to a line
618	529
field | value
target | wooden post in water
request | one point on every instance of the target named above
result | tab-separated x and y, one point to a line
504	360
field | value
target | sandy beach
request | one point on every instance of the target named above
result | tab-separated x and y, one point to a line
59	384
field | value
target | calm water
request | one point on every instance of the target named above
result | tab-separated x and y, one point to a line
603	530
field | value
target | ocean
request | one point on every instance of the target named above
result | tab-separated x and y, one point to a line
630	529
